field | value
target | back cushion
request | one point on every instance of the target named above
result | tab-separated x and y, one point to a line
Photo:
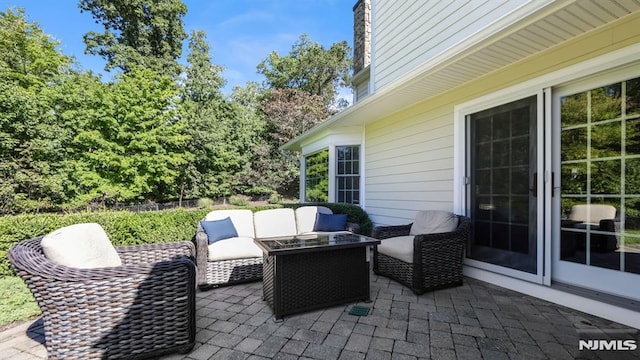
84	246
306	217
275	222
242	220
434	221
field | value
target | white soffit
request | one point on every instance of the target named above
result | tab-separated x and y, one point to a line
482	53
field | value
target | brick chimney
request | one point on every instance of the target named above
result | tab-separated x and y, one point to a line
361	35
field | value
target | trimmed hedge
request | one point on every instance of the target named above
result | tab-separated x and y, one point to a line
128	228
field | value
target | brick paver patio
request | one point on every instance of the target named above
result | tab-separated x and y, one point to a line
475	321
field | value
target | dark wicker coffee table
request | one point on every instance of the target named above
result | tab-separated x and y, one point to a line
312	272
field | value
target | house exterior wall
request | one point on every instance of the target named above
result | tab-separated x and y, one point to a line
409	33
329	140
410	155
361	90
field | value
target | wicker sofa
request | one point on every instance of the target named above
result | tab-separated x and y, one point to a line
423	255
141	309
238	259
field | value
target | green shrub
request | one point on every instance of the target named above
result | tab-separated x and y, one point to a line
275	198
205	203
239	200
355	214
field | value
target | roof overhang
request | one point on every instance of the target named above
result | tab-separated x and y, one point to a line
528	30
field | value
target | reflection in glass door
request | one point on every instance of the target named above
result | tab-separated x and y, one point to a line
502	185
600	188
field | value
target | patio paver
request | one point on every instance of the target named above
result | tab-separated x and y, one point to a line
474	321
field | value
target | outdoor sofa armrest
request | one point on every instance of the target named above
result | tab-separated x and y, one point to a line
151	253
385	232
354	228
202	252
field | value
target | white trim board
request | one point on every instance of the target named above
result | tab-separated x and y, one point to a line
589	306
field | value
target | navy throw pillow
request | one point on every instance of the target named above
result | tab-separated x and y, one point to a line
330	222
217	230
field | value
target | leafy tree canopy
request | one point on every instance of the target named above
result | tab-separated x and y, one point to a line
148	33
309	67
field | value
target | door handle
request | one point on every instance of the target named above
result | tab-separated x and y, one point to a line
534	189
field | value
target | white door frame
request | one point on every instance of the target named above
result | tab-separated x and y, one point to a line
540	86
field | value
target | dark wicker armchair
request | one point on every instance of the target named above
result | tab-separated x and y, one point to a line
437	258
142	309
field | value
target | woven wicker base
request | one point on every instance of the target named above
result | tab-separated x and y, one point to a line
313	280
402	272
229	272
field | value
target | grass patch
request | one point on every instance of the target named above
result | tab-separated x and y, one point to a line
17	302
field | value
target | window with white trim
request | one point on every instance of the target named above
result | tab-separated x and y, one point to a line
348	174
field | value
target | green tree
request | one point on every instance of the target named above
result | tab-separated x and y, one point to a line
148	33
79	101
134	146
211	126
30	139
309	67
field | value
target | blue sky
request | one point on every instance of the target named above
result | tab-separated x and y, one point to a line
241	33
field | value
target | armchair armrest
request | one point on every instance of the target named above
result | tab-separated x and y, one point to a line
385	232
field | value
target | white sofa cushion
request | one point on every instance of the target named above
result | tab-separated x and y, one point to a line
592	213
399	247
242	220
433	221
274	223
84	246
233	248
306	217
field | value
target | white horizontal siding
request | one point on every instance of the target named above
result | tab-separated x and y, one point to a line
409	33
361	90
410	168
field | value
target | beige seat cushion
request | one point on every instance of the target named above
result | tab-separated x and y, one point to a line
84	246
433	221
233	248
592	213
399	247
242	220
306	217
274	223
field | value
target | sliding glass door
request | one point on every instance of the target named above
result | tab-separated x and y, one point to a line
598	211
502	185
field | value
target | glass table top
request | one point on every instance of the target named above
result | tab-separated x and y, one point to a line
308	242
